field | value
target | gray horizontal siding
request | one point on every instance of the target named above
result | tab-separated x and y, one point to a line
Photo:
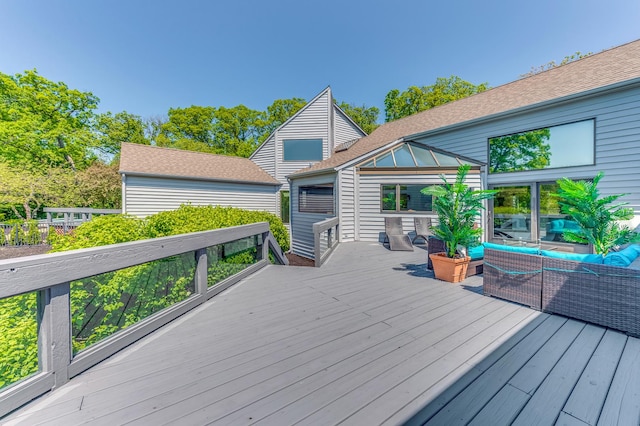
344	129
371	220
145	196
617	150
265	156
347	205
310	123
302	242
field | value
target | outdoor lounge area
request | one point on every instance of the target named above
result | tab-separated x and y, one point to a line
384	343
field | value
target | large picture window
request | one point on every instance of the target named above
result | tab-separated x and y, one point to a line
550	147
404	198
316	199
302	149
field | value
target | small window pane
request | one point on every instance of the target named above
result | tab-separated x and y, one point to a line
403	157
388	197
412	199
284	206
302	149
316	199
423	157
385	160
446	160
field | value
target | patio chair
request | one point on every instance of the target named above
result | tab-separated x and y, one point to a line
394	234
422	227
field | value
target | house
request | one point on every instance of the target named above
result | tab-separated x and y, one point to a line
309	136
570	121
157	179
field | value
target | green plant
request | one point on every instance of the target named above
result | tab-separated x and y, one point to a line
596	216
457	206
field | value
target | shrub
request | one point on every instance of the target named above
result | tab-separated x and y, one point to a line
100	231
190	218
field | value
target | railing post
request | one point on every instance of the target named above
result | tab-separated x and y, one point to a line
265	245
54	332
201	275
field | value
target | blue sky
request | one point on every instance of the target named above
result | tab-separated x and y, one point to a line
146	56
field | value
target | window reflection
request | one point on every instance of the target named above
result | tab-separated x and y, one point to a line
512	213
550	147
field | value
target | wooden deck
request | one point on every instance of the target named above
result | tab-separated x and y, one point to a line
369	338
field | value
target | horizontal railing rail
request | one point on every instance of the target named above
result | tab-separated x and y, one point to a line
326	236
51	276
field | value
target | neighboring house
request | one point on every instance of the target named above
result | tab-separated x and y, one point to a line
570	121
157	179
309	136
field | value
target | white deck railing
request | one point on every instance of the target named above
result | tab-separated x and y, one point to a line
51	275
326	236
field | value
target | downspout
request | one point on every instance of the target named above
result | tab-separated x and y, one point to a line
124	194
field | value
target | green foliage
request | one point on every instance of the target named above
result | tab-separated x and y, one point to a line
17	235
553	64
363	116
458	207
521	151
100	231
415	99
45	123
597	216
190	218
18	338
112	130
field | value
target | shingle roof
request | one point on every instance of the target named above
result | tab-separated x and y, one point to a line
607	68
155	161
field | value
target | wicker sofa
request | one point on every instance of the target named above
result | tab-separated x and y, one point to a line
603	294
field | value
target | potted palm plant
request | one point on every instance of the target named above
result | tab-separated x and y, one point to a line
458	207
597	217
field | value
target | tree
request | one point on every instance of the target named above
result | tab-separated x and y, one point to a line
112	130
99	186
188	128
522	151
42	122
33	189
415	99
553	64
363	116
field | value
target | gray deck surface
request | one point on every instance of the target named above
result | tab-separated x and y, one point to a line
369	338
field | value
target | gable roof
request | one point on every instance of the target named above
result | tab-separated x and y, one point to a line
335	107
603	70
145	160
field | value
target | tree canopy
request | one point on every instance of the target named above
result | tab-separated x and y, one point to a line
416	99
43	122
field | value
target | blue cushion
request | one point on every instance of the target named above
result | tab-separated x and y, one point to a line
623	257
514	249
617	259
556	225
577	257
476	252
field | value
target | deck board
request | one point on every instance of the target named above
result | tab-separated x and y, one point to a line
368	338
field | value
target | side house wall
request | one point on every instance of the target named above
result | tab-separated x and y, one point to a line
617	142
302	223
145	196
344	129
371	218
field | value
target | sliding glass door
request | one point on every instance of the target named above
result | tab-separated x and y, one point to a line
512	214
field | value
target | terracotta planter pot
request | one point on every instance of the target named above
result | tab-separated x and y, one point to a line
448	269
